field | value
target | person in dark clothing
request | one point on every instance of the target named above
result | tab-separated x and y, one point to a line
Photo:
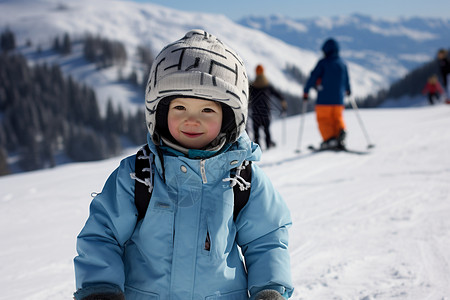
330	78
444	67
261	92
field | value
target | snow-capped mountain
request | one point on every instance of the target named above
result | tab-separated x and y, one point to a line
390	47
39	21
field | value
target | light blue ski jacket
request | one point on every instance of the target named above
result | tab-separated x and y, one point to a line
164	256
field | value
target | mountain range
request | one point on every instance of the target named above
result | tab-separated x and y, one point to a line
378	51
388	46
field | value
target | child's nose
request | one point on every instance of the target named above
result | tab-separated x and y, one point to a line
192	118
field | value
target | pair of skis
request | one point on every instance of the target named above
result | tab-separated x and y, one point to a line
315	149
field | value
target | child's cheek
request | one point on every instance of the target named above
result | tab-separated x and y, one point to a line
214	130
173	127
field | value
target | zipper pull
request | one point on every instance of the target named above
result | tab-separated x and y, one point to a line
203	171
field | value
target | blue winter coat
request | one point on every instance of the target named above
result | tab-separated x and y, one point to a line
164	256
332	74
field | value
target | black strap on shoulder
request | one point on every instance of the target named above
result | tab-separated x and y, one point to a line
141	191
241	197
142	195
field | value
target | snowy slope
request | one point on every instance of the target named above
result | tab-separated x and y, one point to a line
365	227
134	24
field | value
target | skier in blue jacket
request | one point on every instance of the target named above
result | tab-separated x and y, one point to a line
330	78
188	246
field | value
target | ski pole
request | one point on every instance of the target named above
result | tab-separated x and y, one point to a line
302	125
361	124
283	116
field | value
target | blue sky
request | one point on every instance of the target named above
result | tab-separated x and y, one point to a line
235	9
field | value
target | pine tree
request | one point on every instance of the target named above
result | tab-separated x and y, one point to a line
4	169
145	55
120	126
133	78
296	73
67	45
56	44
104	53
136	128
2	135
7	40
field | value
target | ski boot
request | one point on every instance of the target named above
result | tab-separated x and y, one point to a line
331	143
271	145
341	140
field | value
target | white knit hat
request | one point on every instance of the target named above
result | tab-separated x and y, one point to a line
198	65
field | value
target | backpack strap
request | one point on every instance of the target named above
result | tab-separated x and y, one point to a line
143	184
241	195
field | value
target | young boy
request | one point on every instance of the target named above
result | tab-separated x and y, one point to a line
189	245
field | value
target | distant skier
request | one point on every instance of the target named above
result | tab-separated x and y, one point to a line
330	79
433	89
261	92
444	67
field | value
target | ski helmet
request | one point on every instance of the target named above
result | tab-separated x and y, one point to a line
198	65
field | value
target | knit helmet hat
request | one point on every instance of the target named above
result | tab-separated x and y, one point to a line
198	65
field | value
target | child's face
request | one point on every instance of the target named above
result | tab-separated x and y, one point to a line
194	123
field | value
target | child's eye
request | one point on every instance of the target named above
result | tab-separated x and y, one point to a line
208	110
179	107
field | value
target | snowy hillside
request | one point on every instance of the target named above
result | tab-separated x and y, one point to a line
366	227
135	24
387	46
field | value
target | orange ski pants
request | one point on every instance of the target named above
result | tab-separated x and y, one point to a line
330	120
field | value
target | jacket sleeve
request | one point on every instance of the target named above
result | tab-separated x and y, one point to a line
275	93
262	234
101	242
315	74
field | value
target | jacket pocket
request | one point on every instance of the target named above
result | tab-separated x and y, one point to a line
135	294
236	295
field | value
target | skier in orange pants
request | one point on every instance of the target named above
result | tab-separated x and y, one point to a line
330	120
330	78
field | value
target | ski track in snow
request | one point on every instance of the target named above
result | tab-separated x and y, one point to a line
371	226
365	227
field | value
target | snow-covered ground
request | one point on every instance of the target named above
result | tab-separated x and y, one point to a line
366	227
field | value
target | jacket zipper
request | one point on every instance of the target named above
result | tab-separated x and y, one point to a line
207	242
203	171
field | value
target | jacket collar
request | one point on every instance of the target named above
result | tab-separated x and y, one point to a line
234	155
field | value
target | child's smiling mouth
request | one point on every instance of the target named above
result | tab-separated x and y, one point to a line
192	134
